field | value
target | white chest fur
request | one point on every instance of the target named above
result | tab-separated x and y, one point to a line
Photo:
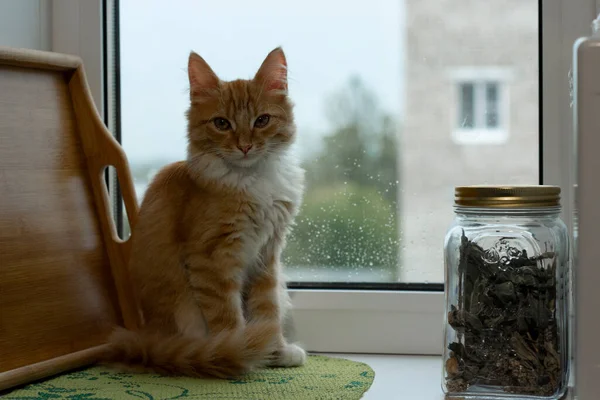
274	188
276	193
280	180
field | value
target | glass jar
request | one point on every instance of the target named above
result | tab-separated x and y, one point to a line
507	294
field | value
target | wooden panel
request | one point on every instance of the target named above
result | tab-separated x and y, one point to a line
56	292
63	277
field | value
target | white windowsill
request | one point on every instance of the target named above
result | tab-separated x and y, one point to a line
480	136
405	377
400	376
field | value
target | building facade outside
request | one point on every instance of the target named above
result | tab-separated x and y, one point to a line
471	114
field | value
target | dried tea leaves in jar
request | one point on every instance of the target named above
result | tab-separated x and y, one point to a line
506	323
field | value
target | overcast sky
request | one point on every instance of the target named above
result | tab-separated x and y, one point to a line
326	41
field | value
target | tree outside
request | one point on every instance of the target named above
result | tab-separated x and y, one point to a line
348	220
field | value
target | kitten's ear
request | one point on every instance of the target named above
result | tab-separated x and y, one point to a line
202	78
272	74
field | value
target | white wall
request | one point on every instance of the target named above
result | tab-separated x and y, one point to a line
26	23
63	26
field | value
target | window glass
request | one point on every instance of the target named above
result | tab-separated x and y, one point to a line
376	110
467	102
491	104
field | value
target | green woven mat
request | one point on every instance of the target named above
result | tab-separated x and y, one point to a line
321	378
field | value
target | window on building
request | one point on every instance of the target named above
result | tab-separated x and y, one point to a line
467	106
479	106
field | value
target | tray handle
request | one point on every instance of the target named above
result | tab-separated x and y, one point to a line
102	150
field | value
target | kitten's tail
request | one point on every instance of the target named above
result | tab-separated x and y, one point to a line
225	355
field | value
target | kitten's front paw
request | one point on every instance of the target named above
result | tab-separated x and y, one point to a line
290	355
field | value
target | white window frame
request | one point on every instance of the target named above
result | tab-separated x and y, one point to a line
566	22
479	77
392	322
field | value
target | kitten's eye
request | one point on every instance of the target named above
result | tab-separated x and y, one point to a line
221	124
262	121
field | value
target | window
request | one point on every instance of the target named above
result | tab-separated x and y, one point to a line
361	111
481	106
467	106
374	214
392	94
492	113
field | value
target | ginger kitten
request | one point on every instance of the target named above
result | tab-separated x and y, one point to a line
206	249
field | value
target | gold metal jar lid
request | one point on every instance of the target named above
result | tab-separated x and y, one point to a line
507	196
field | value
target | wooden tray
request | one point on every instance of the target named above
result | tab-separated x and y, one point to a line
63	276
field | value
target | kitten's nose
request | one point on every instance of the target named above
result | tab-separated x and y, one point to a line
245	149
